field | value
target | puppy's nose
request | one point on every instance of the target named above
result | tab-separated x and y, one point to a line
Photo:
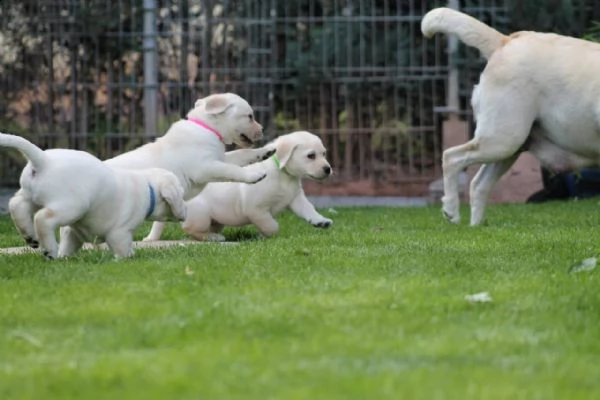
327	169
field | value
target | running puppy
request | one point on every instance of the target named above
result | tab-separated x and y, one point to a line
194	148
539	92
68	187
297	155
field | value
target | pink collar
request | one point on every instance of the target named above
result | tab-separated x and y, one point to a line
205	126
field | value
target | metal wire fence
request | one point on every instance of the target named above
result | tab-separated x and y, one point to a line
106	76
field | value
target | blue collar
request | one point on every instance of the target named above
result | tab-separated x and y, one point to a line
152	201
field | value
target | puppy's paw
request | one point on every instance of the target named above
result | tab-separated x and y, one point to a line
255	176
452	218
48	255
214	237
31	242
322	223
267	152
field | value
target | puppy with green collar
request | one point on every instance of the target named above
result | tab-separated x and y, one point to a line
297	155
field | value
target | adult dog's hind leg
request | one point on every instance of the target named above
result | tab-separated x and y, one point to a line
482	184
456	159
504	121
21	211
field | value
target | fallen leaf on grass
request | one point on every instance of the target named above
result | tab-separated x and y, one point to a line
303	252
586	265
483	297
32	340
376	229
189	271
332	211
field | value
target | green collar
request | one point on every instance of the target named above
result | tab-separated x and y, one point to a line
278	164
276	161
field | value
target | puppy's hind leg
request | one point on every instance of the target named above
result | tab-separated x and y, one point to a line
215	233
46	221
198	222
21	211
156	232
482	184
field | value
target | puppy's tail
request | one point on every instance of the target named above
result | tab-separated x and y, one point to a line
34	154
469	30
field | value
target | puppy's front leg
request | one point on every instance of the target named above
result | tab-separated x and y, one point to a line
69	243
305	210
244	157
155	232
223	172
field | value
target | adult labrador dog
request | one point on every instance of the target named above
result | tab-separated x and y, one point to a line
69	187
194	148
297	155
539	92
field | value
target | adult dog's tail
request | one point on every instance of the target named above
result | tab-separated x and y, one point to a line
469	30
34	154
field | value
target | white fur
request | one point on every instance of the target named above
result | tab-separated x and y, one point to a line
196	155
538	92
301	155
68	187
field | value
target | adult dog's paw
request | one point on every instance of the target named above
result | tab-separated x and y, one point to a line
322	223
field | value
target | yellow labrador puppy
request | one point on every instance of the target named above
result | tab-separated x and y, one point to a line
297	155
539	92
68	187
194	148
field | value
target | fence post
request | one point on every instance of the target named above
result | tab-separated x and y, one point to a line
149	48
452	99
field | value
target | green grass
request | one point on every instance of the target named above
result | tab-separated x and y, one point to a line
373	308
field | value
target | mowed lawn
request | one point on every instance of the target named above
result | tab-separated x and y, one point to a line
373	308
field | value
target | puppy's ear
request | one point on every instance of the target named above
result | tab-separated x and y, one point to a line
285	150
216	104
172	193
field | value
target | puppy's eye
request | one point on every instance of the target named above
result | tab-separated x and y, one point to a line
251	117
311	156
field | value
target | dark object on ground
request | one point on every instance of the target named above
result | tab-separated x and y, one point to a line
581	185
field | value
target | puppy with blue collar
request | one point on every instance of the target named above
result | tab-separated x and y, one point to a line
87	199
298	155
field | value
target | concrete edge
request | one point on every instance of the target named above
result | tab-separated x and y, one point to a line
136	245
